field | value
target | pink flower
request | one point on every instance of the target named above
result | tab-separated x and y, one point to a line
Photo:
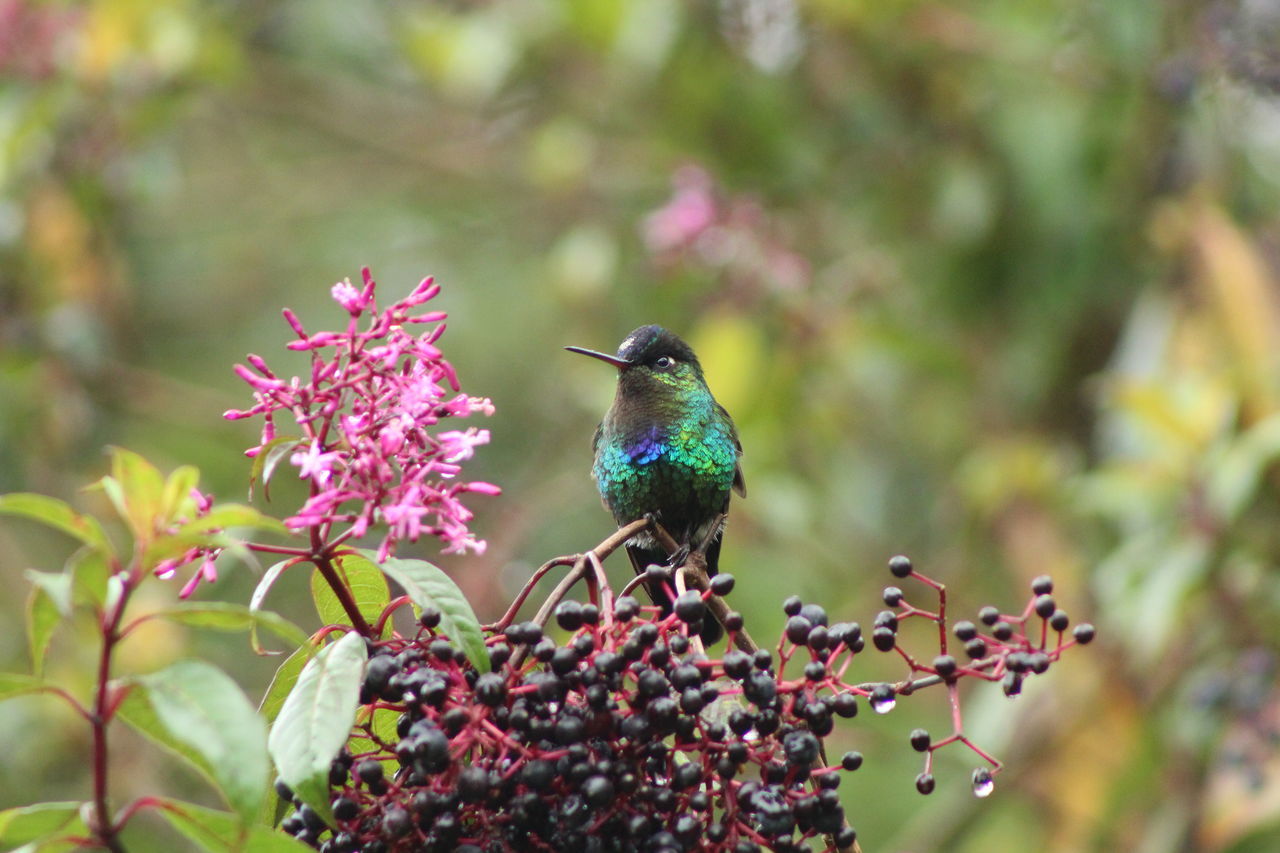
203	502
207	572
166	569
732	235
348	297
689	212
405	520
458	446
313	464
367	416
391	438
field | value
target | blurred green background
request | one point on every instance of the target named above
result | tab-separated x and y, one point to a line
993	284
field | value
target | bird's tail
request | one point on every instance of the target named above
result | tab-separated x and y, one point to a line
642	558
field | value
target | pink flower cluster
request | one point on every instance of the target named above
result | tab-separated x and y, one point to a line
364	422
690	211
34	37
731	235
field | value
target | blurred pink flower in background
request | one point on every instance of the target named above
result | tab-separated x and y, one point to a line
690	211
731	236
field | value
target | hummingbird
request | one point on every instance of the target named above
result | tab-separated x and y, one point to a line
667	450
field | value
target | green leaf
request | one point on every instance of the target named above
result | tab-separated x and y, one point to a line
383	723
269	456
1233	476
140	491
274	809
49	603
200	713
65	843
16	684
259	595
227	616
176	500
221	832
268	580
56	585
89	570
368	586
58	515
316	720
115	493
209	531
31	823
42	618
227	515
286	676
429	586
1146	581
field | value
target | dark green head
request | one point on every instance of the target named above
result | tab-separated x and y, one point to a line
652	361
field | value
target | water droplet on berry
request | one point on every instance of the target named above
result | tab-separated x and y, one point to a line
882	701
983	784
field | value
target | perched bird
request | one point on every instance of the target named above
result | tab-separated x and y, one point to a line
666	449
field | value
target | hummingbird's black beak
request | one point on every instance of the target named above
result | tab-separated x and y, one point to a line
620	363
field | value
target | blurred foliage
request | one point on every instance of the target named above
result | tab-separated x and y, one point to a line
990	283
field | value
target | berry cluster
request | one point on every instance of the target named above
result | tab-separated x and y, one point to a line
627	735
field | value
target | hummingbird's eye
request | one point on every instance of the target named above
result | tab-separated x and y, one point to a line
664	362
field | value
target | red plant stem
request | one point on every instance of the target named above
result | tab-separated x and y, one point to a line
579	570
326	631
505	739
136	624
941	616
342	537
510	615
105	830
953	696
576	574
631	585
321	560
598	553
70	700
996	765
136	806
695	574
396	604
913	664
909	685
606	595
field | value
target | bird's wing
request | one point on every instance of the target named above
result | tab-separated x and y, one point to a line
739	484
595	449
